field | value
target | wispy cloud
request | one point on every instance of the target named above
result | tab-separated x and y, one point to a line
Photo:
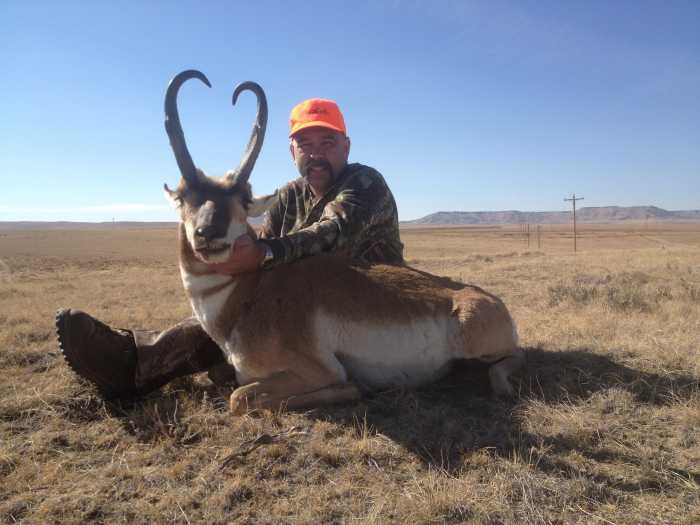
98	208
92	213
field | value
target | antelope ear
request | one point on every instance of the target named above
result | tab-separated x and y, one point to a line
172	197
260	205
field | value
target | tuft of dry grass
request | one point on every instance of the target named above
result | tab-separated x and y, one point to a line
605	427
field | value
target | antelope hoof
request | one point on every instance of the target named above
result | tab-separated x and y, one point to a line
499	383
238	403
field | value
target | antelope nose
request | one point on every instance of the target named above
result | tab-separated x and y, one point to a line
206	232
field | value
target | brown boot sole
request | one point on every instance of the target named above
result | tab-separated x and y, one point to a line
72	358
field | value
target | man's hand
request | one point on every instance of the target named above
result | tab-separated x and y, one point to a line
246	255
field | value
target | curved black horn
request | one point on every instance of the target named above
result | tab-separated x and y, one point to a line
258	133
172	122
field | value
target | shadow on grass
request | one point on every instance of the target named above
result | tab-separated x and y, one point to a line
556	376
442	422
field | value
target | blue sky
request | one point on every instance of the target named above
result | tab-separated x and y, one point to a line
462	105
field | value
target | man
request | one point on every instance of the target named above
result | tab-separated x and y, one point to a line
333	207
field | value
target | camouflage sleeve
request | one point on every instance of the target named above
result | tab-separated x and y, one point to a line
274	217
345	221
319	237
291	246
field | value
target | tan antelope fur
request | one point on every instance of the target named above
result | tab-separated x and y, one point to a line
321	329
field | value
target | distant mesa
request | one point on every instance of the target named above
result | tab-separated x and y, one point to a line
442	218
586	214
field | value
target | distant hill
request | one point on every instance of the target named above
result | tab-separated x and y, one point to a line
587	214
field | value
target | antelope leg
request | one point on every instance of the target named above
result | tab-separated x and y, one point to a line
287	390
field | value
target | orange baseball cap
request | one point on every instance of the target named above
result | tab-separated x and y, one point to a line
316	112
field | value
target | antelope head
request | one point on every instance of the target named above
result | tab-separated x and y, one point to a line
214	210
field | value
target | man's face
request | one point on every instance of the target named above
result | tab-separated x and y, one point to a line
320	155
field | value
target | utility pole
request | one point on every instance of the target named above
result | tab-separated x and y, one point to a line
528	235
573	200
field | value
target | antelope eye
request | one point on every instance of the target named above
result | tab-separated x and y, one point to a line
191	199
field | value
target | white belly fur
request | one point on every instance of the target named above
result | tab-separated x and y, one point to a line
376	356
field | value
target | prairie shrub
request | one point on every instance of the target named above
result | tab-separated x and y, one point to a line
625	291
690	290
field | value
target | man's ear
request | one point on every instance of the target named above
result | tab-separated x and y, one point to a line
260	205
347	148
293	151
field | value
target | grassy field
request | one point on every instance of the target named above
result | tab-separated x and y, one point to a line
605	427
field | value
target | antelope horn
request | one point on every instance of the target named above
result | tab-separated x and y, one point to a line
244	169
173	127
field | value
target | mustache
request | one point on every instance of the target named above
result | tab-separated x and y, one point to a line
317	163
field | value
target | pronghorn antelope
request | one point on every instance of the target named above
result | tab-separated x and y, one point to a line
319	330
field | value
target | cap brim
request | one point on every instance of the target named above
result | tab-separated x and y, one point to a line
316	124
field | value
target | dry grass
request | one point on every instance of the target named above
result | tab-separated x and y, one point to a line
605	428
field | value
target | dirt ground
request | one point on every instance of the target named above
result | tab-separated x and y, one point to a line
605	427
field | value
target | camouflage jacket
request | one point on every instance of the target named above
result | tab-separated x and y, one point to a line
357	217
